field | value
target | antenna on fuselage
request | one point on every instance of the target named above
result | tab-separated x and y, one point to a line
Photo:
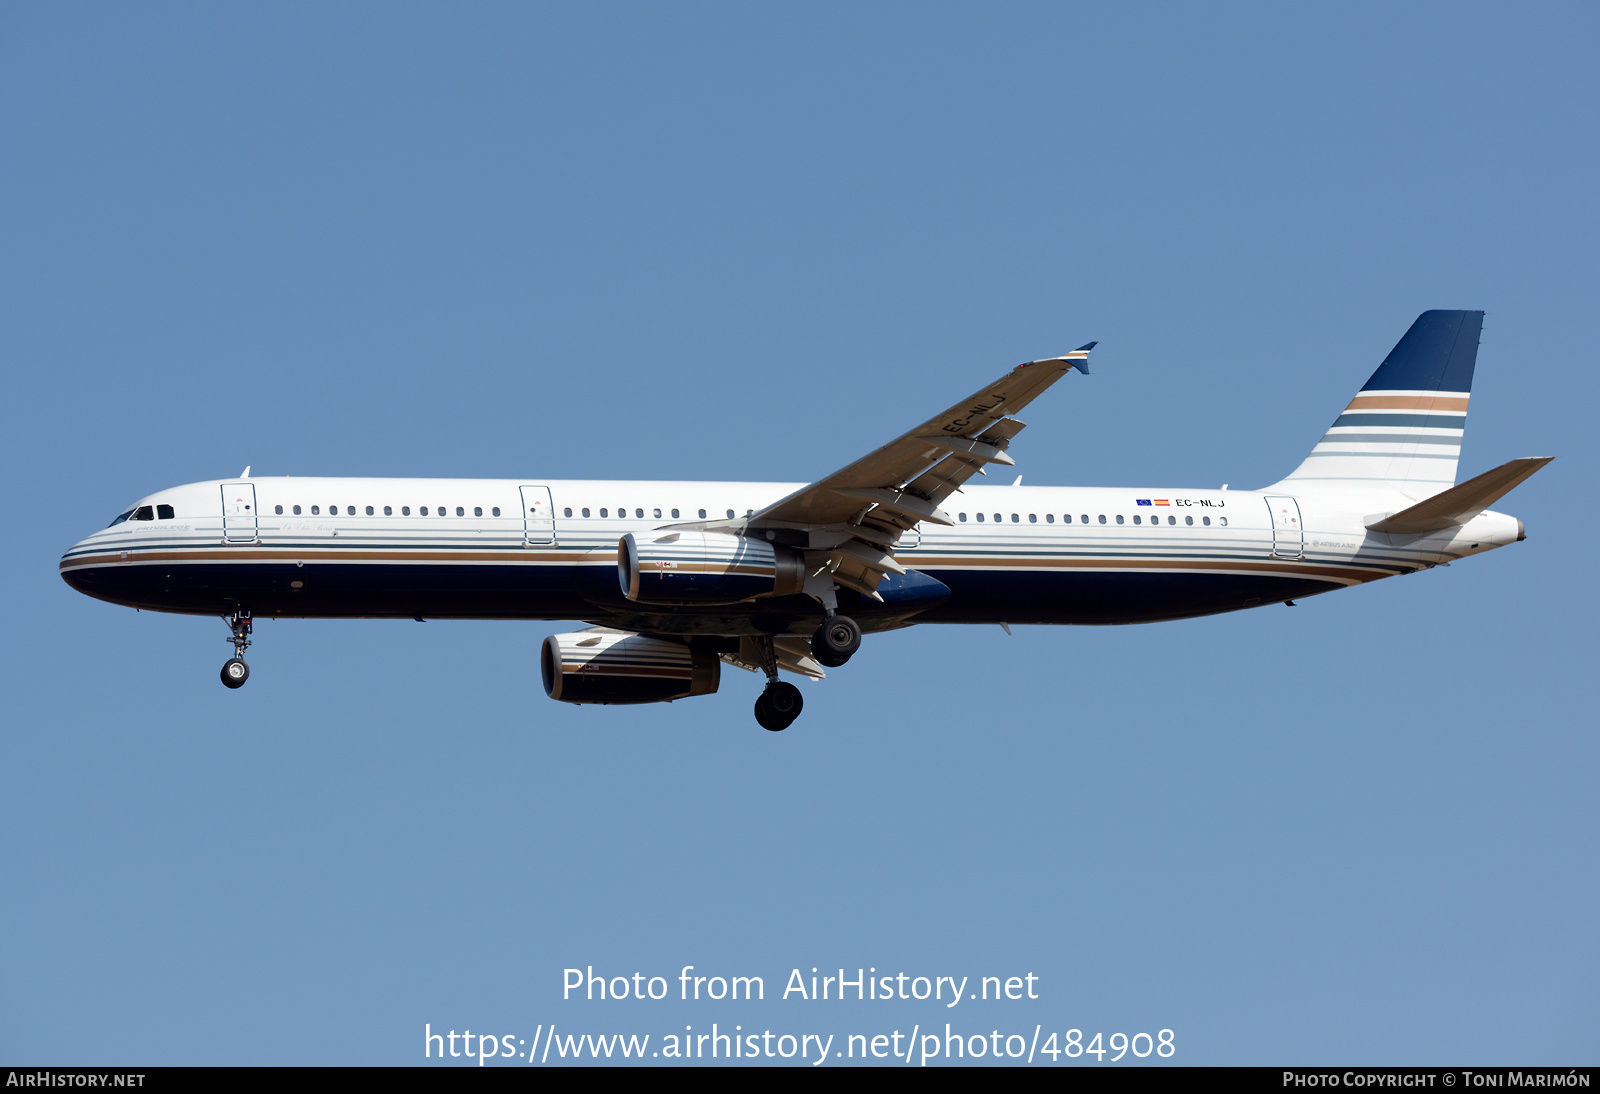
245	474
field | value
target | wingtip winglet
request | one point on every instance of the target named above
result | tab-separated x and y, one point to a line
1083	365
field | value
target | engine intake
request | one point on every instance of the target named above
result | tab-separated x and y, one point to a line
616	667
704	568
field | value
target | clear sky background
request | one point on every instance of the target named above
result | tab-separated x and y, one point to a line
756	241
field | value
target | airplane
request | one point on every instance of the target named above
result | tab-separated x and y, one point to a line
678	578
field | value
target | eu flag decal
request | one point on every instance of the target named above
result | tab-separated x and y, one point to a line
1142	501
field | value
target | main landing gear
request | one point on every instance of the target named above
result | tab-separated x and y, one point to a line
836	641
778	706
780	703
235	672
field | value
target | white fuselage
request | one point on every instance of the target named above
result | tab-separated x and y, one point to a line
470	548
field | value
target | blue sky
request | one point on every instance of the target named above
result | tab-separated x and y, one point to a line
754	242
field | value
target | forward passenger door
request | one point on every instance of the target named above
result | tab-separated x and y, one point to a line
239	512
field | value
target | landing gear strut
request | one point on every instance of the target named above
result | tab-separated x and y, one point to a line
235	672
779	705
836	641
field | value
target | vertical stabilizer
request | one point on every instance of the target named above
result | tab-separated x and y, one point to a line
1404	428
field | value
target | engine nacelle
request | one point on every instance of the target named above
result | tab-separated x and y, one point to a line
704	568
617	667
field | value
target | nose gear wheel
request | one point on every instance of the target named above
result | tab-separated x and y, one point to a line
235	672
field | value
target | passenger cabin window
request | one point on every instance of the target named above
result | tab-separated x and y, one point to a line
369	510
656	513
702	514
567	512
495	510
297	510
585	512
315	511
1084	519
1033	518
730	514
1119	518
963	518
1206	521
1136	519
1188	520
1066	518
1049	518
405	510
639	513
602	512
1222	521
1102	518
421	511
278	509
980	518
388	510
1015	519
1172	520
350	511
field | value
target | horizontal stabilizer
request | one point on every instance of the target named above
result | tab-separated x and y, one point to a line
1460	504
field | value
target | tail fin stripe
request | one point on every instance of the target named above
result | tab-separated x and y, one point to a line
1405	426
1364	454
1392	439
1432	421
1405	401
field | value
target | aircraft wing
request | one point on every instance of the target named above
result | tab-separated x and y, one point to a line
858	512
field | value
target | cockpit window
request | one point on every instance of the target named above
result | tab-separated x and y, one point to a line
144	512
120	517
164	512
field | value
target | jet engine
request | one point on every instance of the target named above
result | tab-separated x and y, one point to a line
704	568
606	666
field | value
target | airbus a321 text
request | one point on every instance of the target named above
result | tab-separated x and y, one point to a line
678	578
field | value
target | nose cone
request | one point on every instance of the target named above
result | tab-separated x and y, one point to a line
81	562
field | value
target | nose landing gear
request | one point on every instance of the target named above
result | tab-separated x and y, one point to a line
235	672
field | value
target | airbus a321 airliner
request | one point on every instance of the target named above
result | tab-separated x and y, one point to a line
679	577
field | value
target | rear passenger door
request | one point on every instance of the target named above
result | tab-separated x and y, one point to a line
1288	538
